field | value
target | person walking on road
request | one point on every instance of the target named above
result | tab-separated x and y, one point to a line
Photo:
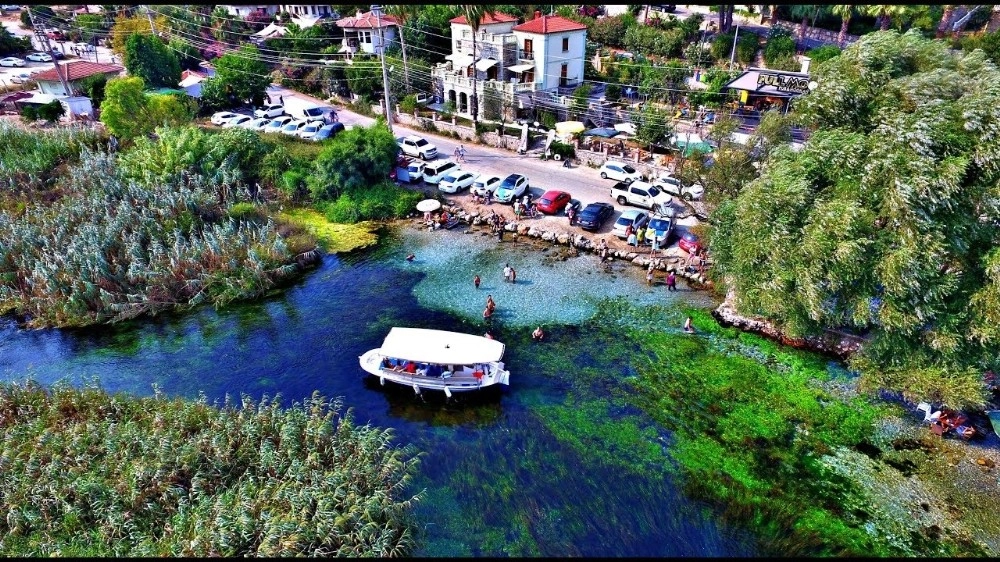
461	153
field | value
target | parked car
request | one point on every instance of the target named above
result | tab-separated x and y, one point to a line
310	129
417	147
292	127
457	180
20	78
414	169
689	242
641	194
327	131
674	186
513	186
593	216
11	61
57	54
10	7
660	227
220	117
485	184
39	57
236	121
619	172
553	201
277	124
84	47
435	171
255	124
270	110
635	217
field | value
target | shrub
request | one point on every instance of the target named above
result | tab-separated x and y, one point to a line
564	150
51	111
612	92
778	48
428	125
824	53
547	119
343	210
245	211
408	104
29	113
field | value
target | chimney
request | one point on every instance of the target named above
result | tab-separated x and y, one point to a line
538	14
805	65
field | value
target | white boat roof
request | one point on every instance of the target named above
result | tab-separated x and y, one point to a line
440	346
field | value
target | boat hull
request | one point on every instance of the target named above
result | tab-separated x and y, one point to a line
371	362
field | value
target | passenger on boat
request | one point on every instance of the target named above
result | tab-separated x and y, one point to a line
410	367
434	370
422	369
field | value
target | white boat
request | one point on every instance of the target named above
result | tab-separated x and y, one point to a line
439	360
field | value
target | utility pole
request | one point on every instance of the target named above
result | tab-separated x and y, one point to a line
44	40
732	56
152	26
377	10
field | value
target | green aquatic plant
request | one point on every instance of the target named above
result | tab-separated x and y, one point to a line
334	237
94	474
752	426
33	159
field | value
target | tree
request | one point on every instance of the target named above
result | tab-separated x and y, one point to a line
91	26
93	87
885	13
129	113
240	77
11	45
354	159
474	16
947	14
187	55
885	223
362	77
844	12
806	11
652	125
403	13
126	27
148	58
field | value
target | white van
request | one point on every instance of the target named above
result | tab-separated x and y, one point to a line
305	110
415	169
434	171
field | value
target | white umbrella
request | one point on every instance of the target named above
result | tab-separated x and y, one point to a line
428	205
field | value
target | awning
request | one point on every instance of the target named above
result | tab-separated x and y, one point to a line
605	132
485	64
459	60
520	67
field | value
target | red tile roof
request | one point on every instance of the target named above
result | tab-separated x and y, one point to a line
487	19
77	70
549	24
366	20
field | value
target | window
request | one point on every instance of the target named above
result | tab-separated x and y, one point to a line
365	36
529	46
565	44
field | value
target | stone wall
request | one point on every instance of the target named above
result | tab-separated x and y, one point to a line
816	33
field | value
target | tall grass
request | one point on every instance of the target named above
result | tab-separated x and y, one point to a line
92	474
32	159
118	248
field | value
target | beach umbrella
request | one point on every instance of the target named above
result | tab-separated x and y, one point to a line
565	128
428	205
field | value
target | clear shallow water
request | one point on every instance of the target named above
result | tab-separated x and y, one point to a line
557	464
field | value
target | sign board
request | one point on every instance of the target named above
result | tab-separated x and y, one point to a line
784	82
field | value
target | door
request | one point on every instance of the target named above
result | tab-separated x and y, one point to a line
529	47
563	74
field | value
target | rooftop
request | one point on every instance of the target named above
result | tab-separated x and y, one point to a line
549	24
77	70
487	19
366	20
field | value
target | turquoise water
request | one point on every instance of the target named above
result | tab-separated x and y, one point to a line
557	464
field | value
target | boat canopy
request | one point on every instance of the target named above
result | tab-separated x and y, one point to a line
439	346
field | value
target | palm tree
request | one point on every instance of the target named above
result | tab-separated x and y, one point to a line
474	15
885	13
845	11
806	11
402	13
947	15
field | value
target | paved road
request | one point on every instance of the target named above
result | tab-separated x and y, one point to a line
13	25
583	183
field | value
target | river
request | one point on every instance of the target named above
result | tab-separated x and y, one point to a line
557	464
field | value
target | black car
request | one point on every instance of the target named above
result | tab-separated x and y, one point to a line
592	216
56	54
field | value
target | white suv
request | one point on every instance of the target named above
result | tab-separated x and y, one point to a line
417	147
271	110
619	172
674	186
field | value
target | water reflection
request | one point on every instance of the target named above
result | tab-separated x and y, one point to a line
557	464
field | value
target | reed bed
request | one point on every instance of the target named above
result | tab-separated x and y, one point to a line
118	248
87	473
31	159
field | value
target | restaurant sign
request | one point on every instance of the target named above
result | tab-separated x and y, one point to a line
783	82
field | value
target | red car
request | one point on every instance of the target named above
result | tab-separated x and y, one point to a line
553	201
689	242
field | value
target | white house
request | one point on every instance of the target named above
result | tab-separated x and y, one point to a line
324	10
75	71
244	11
540	54
361	32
